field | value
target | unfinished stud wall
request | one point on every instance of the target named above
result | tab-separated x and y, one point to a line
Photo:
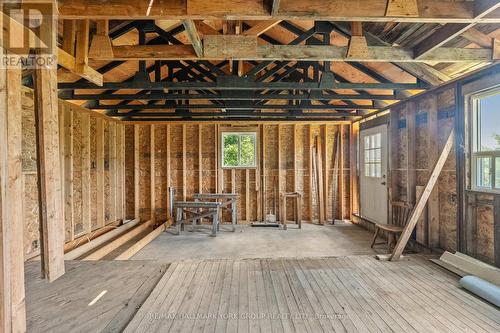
421	128
187	157
418	132
92	159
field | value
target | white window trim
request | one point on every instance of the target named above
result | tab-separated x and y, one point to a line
474	154
254	134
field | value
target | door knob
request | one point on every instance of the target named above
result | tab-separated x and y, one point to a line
383	183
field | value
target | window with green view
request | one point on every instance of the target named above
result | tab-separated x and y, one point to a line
239	150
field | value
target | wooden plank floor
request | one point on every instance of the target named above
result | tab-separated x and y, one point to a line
343	294
65	305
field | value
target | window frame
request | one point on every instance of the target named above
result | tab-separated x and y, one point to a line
474	153
254	133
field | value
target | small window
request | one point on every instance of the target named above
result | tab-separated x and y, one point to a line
485	152
373	155
239	150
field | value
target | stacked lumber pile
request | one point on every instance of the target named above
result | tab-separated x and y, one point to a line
120	243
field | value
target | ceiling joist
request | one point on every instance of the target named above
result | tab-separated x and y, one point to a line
430	11
238	47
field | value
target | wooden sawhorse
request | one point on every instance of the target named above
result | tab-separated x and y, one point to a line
227	201
298	210
197	210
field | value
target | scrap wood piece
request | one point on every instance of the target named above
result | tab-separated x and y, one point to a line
462	264
71	245
136	247
81	250
419	207
122	239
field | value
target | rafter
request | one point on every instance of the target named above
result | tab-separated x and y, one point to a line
452	30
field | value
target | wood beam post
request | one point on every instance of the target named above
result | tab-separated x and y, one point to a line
68	173
12	293
49	167
264	180
152	171
200	158
100	199
86	195
411	138
184	153
82	45
311	157
325	156
353	168
69	36
341	171
136	171
193	36
433	155
113	171
168	168
358	47
280	184
101	46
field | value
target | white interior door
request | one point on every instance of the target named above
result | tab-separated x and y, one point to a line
373	173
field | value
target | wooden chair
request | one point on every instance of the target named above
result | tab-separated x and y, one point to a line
401	212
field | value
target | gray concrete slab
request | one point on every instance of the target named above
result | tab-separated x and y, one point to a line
342	239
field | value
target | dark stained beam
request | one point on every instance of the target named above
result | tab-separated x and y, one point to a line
248	85
144	96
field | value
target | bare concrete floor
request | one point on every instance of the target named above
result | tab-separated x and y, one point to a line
342	239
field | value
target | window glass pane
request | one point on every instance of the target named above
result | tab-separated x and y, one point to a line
238	149
488	130
247	154
378	140
378	155
373	155
483	175
230	149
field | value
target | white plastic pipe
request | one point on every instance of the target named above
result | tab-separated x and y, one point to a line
481	288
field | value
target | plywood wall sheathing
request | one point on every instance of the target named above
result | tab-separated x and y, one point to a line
181	158
78	157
